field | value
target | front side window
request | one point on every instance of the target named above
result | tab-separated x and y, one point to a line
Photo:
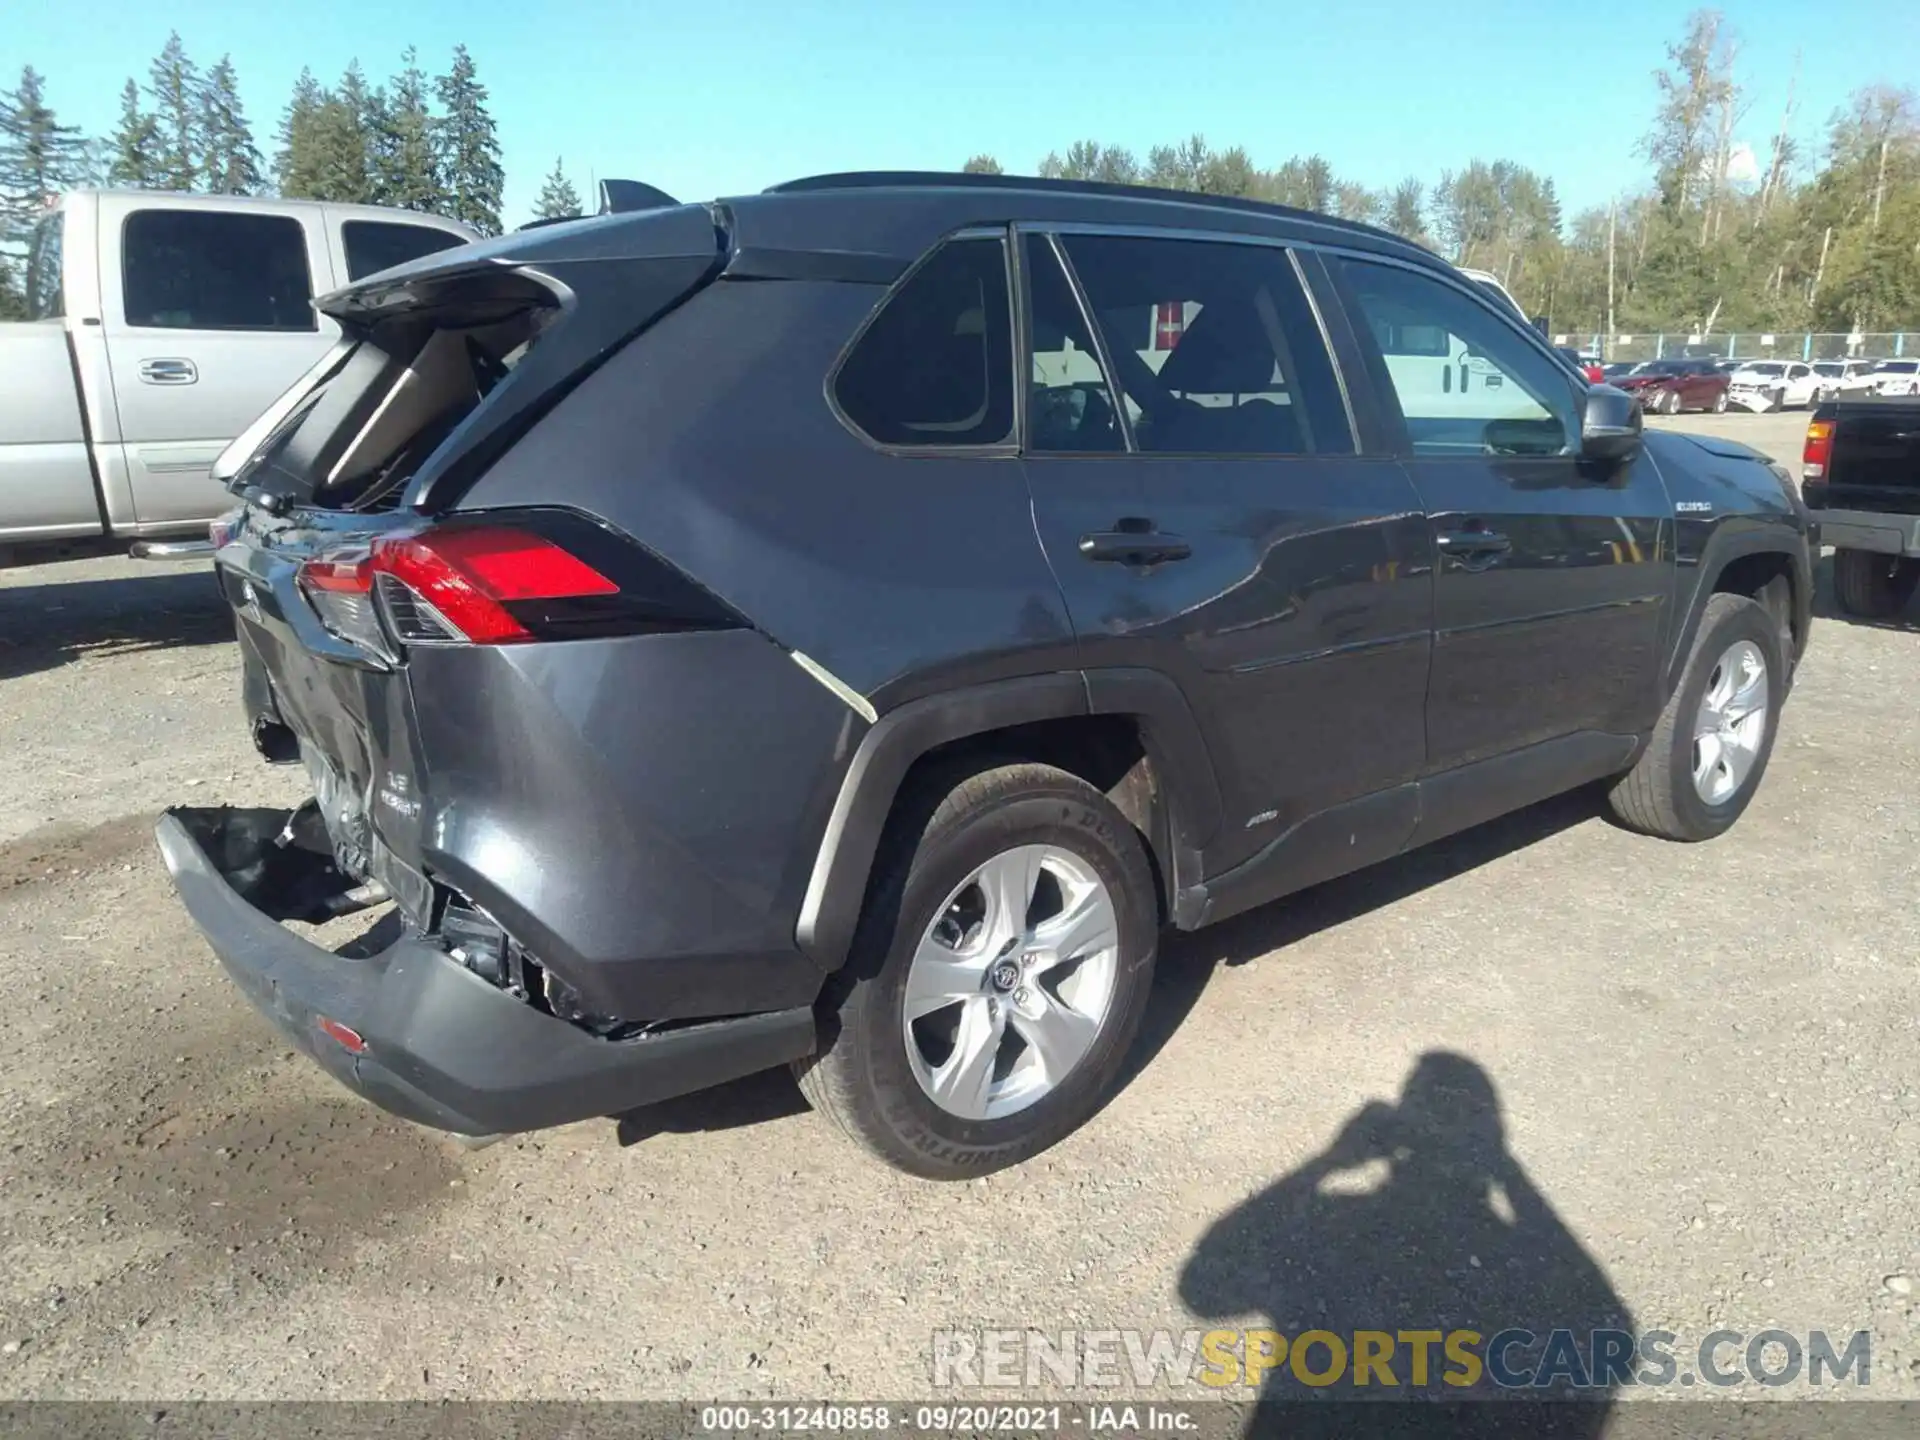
376	245
216	270
45	300
1488	391
1214	346
934	368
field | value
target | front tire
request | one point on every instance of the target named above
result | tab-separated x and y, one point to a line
1874	586
1720	403
1714	738
997	976
1670	405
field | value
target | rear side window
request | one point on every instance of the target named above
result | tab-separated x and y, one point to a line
1214	346
375	245
209	270
44	298
934	368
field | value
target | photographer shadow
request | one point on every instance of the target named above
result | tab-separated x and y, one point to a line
1417	1217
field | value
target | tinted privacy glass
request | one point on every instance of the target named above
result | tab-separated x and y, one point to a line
1467	380
1214	346
204	270
935	367
1071	405
373	246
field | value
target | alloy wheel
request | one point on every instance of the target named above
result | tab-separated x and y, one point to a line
1011	983
1731	724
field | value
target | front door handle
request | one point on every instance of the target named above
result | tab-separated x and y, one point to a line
1134	546
169	372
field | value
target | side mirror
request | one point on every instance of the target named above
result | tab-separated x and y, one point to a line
1610	424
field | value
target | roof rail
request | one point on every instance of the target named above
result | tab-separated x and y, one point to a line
960	180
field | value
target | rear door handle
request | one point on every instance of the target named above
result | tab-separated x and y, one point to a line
1134	547
169	372
1463	542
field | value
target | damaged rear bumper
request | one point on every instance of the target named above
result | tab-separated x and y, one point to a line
440	1045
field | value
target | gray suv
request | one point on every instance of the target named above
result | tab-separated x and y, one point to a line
844	626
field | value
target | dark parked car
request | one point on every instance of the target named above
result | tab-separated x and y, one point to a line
1860	473
1667	387
843	626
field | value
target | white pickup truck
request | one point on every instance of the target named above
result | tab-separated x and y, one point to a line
160	326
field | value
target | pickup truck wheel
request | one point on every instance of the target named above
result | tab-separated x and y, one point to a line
1711	746
1874	586
997	976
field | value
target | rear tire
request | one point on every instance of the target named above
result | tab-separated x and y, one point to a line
933	919
1711	747
1874	586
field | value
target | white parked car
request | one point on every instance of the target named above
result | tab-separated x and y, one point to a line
1763	385
1836	379
1895	377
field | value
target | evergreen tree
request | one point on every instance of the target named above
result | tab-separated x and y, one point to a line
13	305
174	83
404	152
469	149
231	161
342	163
39	157
296	163
1406	211
558	198
133	155
982	165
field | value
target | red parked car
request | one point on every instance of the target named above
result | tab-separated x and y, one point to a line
1666	387
1590	369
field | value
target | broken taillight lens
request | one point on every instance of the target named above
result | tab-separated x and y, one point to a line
557	576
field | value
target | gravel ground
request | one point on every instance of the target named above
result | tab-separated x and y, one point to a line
1704	1060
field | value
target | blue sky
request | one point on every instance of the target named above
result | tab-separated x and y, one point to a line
729	96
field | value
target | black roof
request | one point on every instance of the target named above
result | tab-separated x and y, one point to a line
960	180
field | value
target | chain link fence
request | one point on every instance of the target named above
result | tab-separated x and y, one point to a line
1747	345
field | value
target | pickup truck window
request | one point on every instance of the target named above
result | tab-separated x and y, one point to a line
374	245
44	296
215	270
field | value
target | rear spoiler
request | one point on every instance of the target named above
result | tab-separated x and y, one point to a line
617	197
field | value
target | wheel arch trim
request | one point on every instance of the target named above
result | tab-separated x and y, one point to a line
1725	546
837	885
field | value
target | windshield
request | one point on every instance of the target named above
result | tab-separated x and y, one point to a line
1661	367
1766	367
1828	367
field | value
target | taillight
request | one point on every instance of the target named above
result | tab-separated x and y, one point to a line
468	584
1818	453
557	576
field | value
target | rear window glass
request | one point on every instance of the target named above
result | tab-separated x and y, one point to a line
44	297
934	369
375	245
214	270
